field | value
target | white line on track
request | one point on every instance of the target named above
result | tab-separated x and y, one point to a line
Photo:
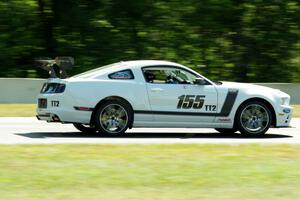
29	130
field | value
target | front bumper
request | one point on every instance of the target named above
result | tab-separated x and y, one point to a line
284	116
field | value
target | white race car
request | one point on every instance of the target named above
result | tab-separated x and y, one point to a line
149	93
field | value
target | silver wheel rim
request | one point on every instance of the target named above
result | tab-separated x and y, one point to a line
113	118
254	118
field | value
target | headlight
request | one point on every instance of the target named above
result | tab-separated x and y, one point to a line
285	101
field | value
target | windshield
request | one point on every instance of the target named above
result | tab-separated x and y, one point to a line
92	72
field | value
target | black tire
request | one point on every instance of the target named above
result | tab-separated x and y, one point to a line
226	131
84	128
113	118
253	119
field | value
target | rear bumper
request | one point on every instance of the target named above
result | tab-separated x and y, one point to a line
64	115
48	117
61	107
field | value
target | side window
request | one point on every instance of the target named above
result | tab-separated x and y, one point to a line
124	74
168	75
155	75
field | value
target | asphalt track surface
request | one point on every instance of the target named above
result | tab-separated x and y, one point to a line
29	130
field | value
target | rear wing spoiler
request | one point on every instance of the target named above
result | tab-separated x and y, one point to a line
56	67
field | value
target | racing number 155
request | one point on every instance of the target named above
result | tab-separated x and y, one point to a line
190	101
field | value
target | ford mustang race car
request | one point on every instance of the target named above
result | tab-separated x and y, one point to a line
149	93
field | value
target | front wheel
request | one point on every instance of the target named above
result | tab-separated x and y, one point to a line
254	119
113	117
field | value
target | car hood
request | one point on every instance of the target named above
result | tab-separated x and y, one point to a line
256	88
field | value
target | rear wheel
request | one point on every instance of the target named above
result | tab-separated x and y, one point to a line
113	117
254	119
84	128
226	131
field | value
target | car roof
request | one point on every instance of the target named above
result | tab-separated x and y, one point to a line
124	65
143	63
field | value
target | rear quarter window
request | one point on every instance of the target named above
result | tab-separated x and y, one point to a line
123	75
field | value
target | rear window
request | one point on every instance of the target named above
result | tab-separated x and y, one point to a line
50	88
97	71
124	75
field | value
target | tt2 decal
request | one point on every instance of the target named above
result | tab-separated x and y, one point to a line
55	103
210	107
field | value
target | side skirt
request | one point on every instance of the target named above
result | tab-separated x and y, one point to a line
147	124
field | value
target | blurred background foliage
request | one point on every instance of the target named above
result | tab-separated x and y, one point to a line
237	40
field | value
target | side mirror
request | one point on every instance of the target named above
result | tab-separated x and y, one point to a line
200	81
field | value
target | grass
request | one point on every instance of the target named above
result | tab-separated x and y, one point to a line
296	111
17	110
28	110
149	172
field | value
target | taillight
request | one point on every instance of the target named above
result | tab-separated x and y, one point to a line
42	103
49	88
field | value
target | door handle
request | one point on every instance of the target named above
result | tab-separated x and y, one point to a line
157	90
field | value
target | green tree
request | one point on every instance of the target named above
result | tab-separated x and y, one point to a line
247	41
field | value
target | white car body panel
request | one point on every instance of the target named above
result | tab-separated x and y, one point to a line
155	105
164	96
